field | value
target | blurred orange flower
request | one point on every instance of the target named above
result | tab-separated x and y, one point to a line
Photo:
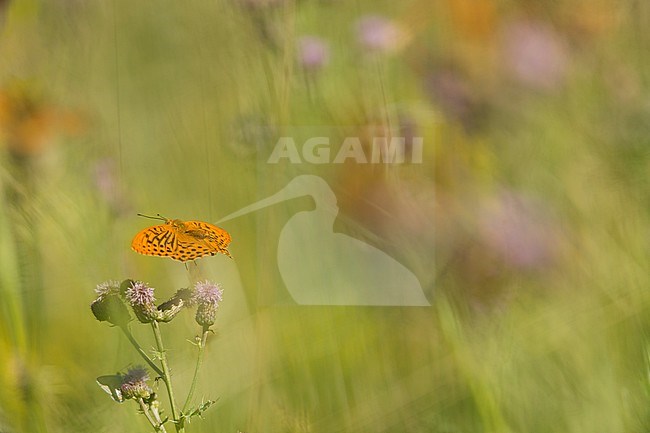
28	125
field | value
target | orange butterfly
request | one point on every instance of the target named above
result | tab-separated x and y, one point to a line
181	240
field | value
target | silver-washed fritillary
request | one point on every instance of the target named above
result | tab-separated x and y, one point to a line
181	240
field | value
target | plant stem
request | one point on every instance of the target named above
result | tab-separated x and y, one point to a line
167	376
141	351
156	416
199	361
158	427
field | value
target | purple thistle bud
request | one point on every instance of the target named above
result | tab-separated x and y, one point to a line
106	179
140	294
207	292
134	383
141	298
135	374
206	314
207	295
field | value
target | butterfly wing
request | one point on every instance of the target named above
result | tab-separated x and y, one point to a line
214	237
160	240
112	385
190	248
189	241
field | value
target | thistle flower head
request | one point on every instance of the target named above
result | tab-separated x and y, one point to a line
107	287
139	294
135	374
207	292
142	299
134	383
207	295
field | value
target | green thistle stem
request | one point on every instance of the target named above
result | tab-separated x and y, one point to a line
141	351
167	376
199	361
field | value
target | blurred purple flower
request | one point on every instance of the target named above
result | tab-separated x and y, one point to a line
104	178
379	34
313	53
534	54
108	185
519	231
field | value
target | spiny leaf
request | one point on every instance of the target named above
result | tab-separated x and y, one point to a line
199	410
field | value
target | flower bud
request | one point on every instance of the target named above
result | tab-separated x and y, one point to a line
207	296
111	309
110	287
170	308
134	384
206	314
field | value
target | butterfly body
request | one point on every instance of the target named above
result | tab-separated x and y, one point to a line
182	240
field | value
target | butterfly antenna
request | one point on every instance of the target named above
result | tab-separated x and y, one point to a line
159	217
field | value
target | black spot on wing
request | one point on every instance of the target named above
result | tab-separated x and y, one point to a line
157	240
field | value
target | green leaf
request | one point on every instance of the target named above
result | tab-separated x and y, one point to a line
198	411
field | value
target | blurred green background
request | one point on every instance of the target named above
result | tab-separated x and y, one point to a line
527	223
